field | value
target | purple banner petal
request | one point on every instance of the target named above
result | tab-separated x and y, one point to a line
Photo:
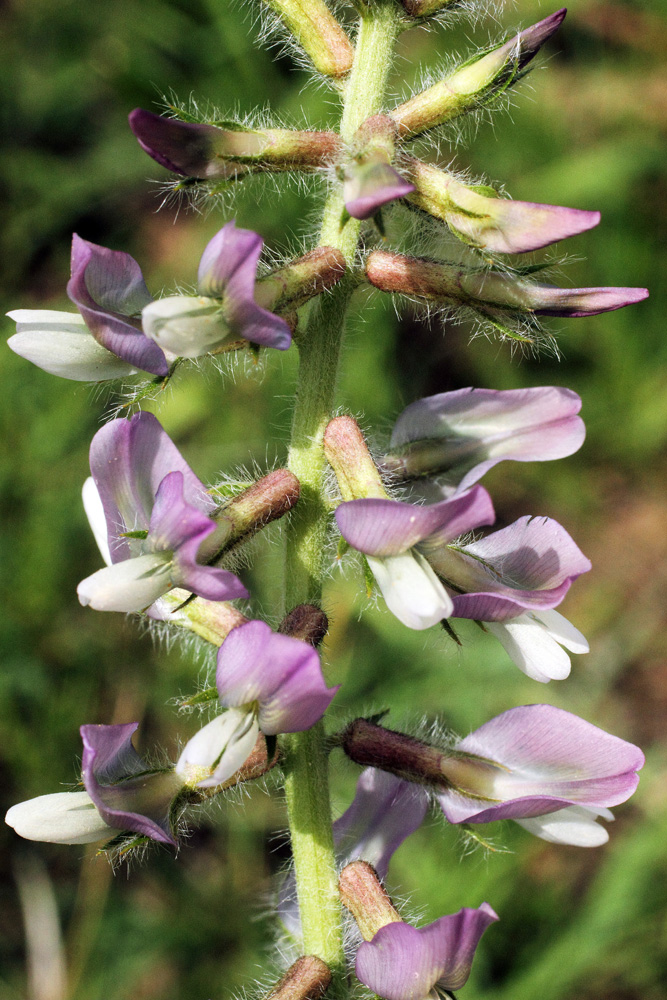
109	290
127	794
390	527
282	674
406	963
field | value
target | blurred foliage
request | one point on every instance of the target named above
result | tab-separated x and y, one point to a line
588	130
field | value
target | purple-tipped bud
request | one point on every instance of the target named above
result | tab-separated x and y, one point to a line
370	179
306	622
476	82
209	152
493	294
481	219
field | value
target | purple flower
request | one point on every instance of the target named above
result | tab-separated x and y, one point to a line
122	793
511	580
407	963
156	516
108	288
371	185
390	534
225	308
269	683
127	793
547	769
462	434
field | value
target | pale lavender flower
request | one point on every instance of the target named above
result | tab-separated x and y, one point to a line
549	770
390	533
269	683
512	579
156	516
402	962
225	309
460	435
122	793
106	340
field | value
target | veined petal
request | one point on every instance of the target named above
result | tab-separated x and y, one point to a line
130	585
128	461
61	344
109	290
405	963
187	148
385	810
92	505
61	818
188	326
462	434
536	648
534	760
282	674
389	527
128	794
411	589
573	825
219	749
506	291
370	186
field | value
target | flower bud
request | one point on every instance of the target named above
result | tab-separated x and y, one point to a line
493	293
268	499
474	83
370	179
306	979
365	897
318	32
481	219
349	457
206	152
211	620
306	622
290	287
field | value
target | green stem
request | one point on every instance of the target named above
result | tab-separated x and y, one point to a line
306	764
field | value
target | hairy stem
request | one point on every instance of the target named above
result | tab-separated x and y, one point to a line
307	785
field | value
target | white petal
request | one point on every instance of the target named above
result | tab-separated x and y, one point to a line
62	818
562	630
60	343
186	326
130	585
92	504
411	589
218	750
573	825
532	648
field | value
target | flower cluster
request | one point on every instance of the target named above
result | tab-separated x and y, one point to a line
414	511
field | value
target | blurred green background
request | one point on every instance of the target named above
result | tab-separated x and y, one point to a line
588	130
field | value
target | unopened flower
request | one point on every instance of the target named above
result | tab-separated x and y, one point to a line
480	218
370	180
225	308
207	152
157	514
105	339
460	435
475	82
492	293
121	793
549	770
269	683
